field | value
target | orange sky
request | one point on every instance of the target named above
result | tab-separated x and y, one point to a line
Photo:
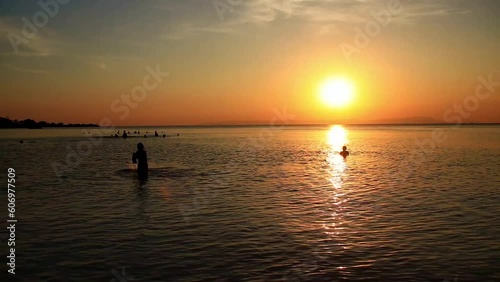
240	66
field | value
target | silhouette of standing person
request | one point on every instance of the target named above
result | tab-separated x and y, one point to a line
141	158
344	152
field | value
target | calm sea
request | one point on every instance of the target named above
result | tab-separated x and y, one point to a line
410	203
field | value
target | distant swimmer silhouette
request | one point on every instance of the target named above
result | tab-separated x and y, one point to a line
141	158
344	152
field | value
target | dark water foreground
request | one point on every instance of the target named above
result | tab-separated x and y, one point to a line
286	209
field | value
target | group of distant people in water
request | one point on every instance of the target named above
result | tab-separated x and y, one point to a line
125	134
141	157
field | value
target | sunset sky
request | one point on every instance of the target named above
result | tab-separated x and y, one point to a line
233	62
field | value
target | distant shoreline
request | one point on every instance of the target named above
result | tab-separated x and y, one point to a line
63	126
6	123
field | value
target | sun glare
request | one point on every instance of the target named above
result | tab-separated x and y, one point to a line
337	137
336	92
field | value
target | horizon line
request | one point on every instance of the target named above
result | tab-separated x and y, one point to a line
312	124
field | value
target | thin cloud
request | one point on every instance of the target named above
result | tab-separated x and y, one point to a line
104	62
322	15
420	11
343	11
185	30
38	45
19	69
99	65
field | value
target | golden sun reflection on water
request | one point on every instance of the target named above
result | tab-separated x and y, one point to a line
337	136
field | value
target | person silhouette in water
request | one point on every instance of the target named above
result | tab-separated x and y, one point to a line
344	152
141	158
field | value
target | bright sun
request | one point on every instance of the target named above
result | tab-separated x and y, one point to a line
336	92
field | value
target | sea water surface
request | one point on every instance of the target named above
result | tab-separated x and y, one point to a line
257	204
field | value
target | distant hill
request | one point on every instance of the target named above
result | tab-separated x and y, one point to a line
29	123
408	120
